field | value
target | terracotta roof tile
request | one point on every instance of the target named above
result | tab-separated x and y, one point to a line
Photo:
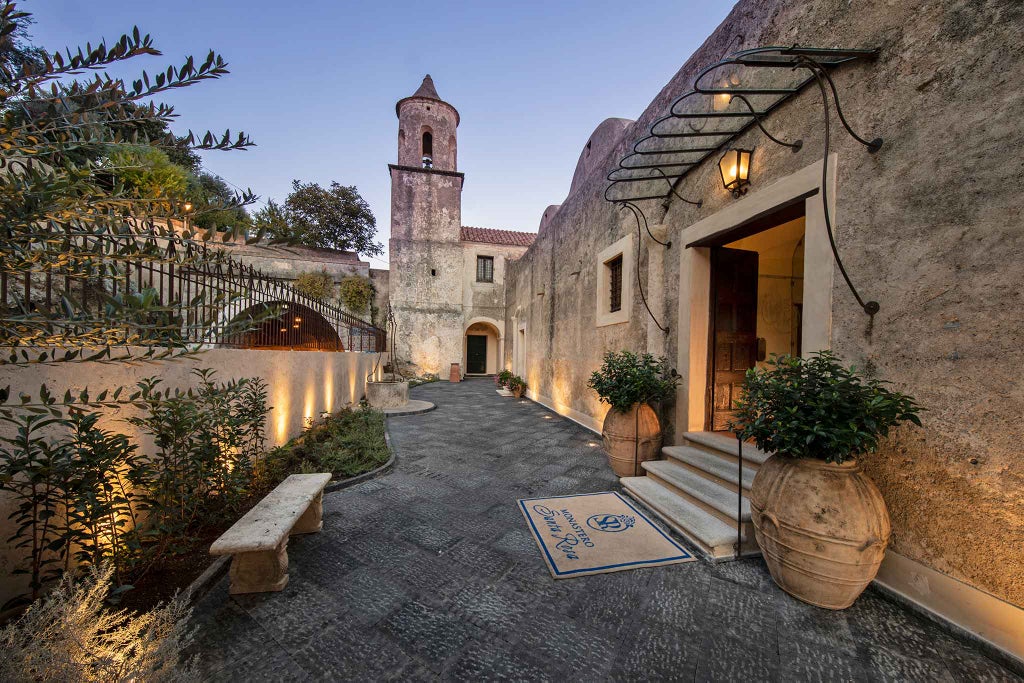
492	236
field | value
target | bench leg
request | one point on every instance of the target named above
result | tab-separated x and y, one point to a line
260	572
312	520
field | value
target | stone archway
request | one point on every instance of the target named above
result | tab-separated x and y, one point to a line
296	327
482	347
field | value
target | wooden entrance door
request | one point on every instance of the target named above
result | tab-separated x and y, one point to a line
476	354
733	330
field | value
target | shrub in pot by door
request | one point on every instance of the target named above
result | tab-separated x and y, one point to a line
517	385
819	519
629	383
502	380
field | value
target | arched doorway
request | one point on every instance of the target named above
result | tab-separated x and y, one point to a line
481	352
295	327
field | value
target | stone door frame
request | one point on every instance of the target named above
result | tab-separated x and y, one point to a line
695	280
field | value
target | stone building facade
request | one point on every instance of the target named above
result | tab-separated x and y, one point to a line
929	226
446	281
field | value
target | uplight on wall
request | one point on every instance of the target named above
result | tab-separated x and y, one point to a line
735	169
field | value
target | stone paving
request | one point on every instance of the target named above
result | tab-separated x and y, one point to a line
429	573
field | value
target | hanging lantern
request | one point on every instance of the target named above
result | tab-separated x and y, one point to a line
735	169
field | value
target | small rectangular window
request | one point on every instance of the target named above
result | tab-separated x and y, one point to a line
615	280
485	269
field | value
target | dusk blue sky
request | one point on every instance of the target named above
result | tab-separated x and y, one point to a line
315	84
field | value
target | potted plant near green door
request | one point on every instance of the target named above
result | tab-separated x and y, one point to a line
517	385
819	519
629	383
502	379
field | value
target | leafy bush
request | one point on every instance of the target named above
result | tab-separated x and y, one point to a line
71	636
80	491
355	293
315	285
205	453
102	523
503	378
346	444
626	378
817	408
516	383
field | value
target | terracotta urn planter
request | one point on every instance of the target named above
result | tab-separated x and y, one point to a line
823	528
518	391
625	451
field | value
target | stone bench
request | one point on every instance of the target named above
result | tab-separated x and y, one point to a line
258	541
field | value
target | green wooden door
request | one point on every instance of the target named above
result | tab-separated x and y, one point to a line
476	354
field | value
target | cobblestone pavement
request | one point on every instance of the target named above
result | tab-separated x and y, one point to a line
429	573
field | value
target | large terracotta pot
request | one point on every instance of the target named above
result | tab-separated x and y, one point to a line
822	527
625	452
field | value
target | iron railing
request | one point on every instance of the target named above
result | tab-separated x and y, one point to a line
205	298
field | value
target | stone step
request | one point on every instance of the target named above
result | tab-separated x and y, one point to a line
710	466
710	493
709	533
725	445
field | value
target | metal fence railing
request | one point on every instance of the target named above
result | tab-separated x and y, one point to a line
205	298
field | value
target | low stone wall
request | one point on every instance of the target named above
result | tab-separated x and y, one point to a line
301	385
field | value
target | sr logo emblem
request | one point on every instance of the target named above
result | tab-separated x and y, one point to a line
610	523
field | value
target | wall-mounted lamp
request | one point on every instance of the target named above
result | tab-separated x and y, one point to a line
735	169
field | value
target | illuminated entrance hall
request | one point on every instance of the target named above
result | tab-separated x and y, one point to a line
429	573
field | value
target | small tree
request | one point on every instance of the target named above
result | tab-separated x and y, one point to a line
271	220
334	218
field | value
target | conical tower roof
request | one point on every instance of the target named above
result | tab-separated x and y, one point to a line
426	91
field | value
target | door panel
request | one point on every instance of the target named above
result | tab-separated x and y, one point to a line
733	329
476	354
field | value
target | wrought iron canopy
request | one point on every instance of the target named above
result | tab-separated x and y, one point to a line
727	99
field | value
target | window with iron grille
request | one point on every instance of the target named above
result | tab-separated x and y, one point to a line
615	280
485	269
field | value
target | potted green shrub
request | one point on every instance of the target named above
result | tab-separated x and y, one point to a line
819	519
517	385
502	380
629	383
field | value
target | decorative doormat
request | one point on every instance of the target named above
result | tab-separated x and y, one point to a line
594	533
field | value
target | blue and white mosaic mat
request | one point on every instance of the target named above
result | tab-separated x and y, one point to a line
595	533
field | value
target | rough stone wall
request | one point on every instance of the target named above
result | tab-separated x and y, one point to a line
290	262
930	227
426	267
381	292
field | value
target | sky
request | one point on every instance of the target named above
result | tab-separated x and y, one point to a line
314	83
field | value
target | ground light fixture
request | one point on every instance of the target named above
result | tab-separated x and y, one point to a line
735	169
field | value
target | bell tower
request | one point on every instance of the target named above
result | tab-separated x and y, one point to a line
426	129
425	279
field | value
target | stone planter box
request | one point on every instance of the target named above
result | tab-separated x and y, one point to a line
387	394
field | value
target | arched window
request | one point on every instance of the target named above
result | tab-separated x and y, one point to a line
428	149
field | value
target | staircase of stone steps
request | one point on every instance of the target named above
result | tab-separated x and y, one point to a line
694	490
